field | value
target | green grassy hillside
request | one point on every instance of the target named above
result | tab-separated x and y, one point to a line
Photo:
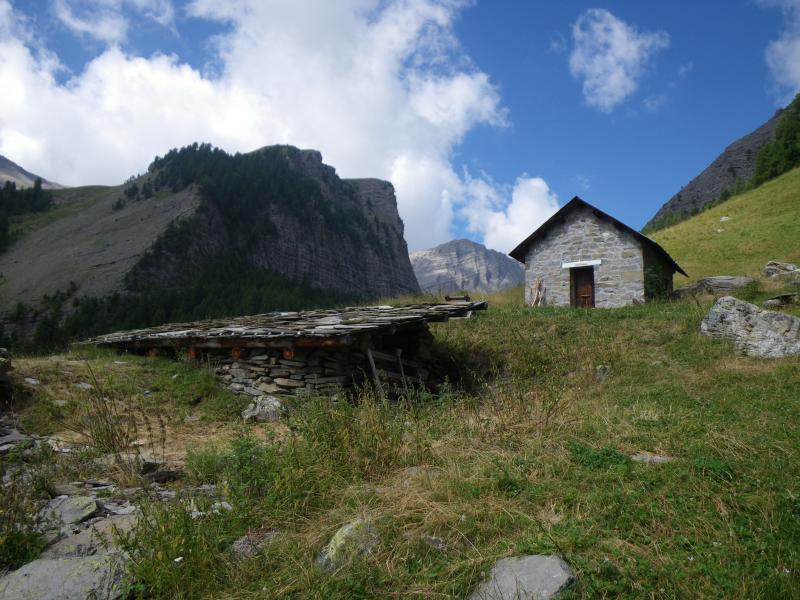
762	225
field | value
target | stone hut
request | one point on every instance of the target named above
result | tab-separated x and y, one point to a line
583	257
313	352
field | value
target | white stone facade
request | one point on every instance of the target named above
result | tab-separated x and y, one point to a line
583	236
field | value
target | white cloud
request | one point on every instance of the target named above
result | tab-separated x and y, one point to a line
381	88
106	20
502	224
610	57
783	55
685	69
654	103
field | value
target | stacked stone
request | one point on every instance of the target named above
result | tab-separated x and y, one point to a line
5	377
310	372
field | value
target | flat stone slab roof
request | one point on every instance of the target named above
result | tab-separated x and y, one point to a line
334	327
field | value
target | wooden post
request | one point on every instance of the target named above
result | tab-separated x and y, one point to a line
399	351
288	353
375	375
238	353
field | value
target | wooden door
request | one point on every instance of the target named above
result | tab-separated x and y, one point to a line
583	287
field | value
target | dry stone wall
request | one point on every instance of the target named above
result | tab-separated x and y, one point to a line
317	372
619	278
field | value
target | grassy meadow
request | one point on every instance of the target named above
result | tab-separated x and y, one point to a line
527	451
761	225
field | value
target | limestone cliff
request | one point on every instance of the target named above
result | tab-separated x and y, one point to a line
465	265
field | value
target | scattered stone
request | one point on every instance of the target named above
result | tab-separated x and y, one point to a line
191	418
601	373
13	437
650	458
252	544
263	409
754	331
83	386
117	507
533	577
68	509
724	218
67	489
141	461
775	269
356	539
781	301
721	285
219	507
435	542
162	475
31	381
98	577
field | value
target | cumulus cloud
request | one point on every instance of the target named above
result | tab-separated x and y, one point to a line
382	88
783	55
610	57
502	224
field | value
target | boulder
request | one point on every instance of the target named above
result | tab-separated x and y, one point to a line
533	577
720	285
754	331
252	544
262	409
353	540
786	272
98	577
98	538
68	509
782	300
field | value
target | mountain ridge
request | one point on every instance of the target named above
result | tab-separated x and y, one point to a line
735	165
465	265
11	171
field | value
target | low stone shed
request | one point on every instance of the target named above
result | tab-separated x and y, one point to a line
307	352
583	257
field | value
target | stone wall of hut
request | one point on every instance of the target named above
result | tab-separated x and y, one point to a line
619	278
312	372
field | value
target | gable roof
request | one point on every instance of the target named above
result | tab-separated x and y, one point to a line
519	252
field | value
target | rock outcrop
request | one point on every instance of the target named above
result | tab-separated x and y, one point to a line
783	271
719	285
465	265
736	163
754	331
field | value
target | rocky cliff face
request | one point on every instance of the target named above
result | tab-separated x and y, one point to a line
11	171
352	243
465	265
207	234
736	163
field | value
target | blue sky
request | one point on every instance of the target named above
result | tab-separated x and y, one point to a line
485	115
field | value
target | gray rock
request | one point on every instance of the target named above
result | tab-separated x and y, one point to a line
98	538
83	386
262	409
356	539
534	577
12	436
650	458
781	301
98	577
601	373
754	331
776	269
31	381
142	462
68	509
252	544
720	285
